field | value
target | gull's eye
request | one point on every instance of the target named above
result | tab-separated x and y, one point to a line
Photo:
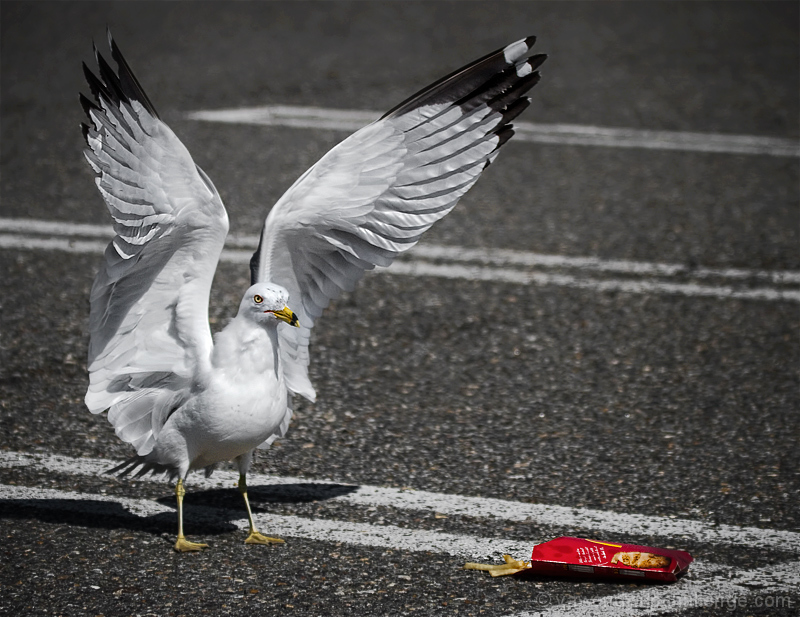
258	299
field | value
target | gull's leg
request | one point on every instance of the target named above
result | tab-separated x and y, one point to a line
182	545
254	536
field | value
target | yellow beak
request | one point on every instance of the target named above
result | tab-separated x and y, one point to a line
286	315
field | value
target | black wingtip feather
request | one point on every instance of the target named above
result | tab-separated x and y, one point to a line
537	60
460	83
515	109
508	97
96	87
255	260
503	135
129	85
115	86
87	104
111	80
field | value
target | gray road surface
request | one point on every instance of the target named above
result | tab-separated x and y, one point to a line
672	405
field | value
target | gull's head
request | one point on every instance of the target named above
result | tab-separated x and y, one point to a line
265	302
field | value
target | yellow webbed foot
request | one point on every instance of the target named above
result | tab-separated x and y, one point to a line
182	545
254	537
257	538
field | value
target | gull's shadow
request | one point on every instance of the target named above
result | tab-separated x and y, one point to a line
86	513
206	512
305	492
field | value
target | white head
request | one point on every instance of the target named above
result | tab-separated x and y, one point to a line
265	302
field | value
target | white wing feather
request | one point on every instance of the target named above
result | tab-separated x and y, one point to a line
371	197
149	332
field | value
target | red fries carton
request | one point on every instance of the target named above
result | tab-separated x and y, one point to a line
568	556
579	557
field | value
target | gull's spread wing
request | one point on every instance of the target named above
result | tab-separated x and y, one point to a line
371	197
149	329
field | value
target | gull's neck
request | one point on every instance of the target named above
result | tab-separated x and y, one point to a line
246	347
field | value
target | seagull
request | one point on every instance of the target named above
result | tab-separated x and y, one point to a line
186	399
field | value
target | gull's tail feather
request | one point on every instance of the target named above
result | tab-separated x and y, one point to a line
130	465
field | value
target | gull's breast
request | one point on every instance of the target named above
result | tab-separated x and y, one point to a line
243	403
233	418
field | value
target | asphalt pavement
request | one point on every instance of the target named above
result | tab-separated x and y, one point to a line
663	412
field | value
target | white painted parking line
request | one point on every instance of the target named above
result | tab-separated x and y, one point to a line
56	228
561	134
421	268
706	585
317	529
596	521
502	257
66	245
518	267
